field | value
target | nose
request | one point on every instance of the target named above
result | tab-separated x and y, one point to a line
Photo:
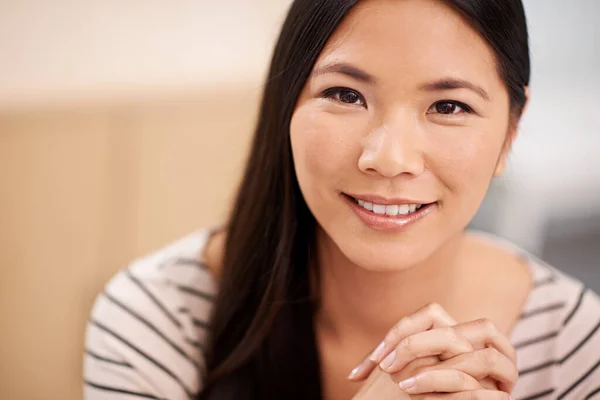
393	148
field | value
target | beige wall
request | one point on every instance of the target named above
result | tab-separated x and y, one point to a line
83	190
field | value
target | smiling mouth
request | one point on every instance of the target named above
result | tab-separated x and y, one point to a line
391	210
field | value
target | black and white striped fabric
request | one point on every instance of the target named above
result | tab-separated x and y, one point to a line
147	330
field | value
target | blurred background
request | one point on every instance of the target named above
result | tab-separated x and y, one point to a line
124	125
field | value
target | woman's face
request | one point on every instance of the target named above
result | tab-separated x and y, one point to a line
399	130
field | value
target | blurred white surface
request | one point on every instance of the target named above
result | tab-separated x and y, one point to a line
70	50
554	171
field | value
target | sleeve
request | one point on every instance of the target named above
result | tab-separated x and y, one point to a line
146	333
579	348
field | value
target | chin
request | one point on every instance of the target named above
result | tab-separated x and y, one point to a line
376	256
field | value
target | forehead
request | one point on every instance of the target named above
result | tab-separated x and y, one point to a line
414	39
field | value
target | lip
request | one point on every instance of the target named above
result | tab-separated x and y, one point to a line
385	201
386	223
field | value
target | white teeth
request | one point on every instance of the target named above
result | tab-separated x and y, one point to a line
391	210
378	209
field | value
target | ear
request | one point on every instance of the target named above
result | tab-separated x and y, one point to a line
513	130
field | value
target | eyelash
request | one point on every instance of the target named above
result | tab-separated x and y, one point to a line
465	108
334	93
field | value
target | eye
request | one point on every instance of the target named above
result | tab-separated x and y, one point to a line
449	107
344	95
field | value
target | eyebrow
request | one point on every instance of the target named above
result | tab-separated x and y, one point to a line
362	76
454	83
345	69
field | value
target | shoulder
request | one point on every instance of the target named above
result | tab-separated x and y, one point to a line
578	341
558	336
147	329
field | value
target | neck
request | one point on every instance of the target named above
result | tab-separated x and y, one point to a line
355	301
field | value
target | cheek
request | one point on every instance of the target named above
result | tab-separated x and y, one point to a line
325	147
465	162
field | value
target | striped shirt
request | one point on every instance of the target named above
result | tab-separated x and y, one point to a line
146	334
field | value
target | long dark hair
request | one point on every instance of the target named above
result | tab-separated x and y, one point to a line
262	341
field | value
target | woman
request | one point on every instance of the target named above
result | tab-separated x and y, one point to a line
382	125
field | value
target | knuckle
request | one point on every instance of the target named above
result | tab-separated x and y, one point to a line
450	333
406	344
396	330
494	335
434	309
489	357
460	379
455	340
488	327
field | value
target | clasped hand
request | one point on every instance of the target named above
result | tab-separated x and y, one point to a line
427	355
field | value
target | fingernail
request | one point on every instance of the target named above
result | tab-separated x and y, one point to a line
377	353
360	370
388	361
407	384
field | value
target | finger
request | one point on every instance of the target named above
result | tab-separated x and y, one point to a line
428	317
481	394
424	364
442	381
489	383
413	368
436	342
484	363
484	333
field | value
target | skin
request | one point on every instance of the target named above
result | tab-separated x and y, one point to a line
397	135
